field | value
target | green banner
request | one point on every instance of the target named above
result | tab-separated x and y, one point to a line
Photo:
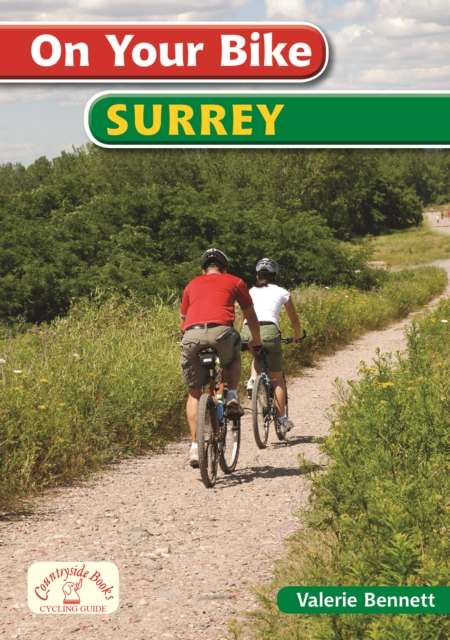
147	119
368	600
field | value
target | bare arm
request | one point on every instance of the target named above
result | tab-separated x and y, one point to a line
253	324
181	323
293	317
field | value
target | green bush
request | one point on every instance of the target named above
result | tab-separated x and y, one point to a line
381	513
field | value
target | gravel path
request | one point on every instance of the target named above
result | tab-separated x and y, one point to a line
216	541
443	225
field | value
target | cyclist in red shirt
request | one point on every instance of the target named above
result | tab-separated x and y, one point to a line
207	316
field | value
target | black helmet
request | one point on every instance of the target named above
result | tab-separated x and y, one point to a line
214	255
266	264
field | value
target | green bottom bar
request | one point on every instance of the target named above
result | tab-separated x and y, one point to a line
223	119
367	600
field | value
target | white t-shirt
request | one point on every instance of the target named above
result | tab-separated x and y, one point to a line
268	302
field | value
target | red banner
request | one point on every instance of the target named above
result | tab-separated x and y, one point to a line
160	52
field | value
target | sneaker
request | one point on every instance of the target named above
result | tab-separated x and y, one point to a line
233	406
250	383
286	425
193	456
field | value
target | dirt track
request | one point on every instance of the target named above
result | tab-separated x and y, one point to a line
444	223
220	540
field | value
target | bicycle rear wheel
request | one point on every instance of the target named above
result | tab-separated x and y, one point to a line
208	454
260	412
231	443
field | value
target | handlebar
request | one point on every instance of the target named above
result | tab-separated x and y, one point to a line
289	340
257	349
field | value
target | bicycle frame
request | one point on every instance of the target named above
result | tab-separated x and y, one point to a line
215	387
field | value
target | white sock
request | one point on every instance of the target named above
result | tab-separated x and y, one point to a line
282	419
194	445
232	392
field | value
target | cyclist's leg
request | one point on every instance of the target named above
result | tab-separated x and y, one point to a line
279	391
192	411
274	359
256	367
284	424
228	347
194	376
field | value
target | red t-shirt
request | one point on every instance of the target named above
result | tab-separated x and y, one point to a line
210	298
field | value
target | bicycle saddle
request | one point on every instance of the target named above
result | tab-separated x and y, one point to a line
207	356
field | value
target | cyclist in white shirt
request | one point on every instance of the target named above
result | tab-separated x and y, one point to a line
268	299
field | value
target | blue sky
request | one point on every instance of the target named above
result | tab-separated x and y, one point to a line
374	44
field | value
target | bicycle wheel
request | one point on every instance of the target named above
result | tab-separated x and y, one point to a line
260	412
231	443
207	446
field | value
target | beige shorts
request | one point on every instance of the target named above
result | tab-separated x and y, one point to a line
271	341
225	340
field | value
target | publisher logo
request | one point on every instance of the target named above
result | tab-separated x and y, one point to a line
73	587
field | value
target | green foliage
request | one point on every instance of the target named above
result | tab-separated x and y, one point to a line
331	315
418	245
81	391
137	221
381	513
105	381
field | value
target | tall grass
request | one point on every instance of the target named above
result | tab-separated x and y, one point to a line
334	316
83	390
105	380
380	515
417	245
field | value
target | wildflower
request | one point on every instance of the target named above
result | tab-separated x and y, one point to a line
23	376
433	319
410	388
17	371
2	361
18	389
445	321
327	287
76	355
384	385
62	404
382	401
113	375
371	368
43	380
41	406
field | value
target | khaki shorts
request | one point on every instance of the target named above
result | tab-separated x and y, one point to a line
225	340
271	341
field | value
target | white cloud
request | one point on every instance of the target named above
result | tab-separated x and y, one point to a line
317	12
436	11
117	10
15	151
61	95
293	9
353	10
379	44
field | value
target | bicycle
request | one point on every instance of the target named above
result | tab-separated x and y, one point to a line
219	433
264	410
